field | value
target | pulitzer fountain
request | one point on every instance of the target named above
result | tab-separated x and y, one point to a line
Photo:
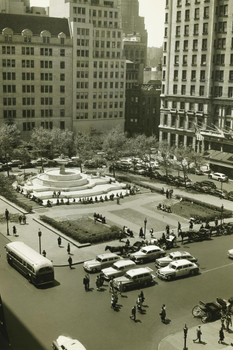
69	184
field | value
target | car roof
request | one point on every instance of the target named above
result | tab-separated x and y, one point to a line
151	247
124	262
139	271
107	255
220	174
177	253
181	262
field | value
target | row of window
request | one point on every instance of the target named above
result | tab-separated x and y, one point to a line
107	54
26	101
8	38
44	51
191	106
187	14
216	91
107	75
108	34
107	44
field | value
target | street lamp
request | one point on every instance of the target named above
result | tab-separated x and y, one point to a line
222	207
185	336
7	221
39	235
145	222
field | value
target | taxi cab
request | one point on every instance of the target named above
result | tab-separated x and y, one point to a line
66	343
178	268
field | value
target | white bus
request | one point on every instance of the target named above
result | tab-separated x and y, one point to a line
36	268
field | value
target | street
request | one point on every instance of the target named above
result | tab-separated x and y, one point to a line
67	309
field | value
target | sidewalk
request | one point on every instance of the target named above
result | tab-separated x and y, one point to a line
210	336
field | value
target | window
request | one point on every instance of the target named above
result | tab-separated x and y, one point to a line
195	45
183	89
193	75
177	46
204	44
230	91
222	27
197	13
178	16
206	12
205	28
187	15
231	59
201	90
192	90
186	30
175	75
203	60
8	50
9	76
220	59
231	75
221	43
196	29
27	50
62	64
9	89
185	60
177	30
184	75
202	75
62	52
174	89
176	60
185	47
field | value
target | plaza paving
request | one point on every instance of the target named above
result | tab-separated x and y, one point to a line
131	212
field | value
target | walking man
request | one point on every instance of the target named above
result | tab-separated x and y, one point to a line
133	313
199	333
59	241
163	313
14	230
221	336
70	261
179	226
68	248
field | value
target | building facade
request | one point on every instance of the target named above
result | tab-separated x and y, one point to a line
35	74
143	109
197	74
98	62
15	6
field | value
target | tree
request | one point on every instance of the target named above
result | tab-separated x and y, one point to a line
62	142
9	141
165	156
84	147
22	153
41	142
114	145
184	159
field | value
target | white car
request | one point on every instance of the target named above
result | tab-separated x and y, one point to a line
179	268
218	176
100	262
118	269
135	278
67	343
148	253
173	257
230	253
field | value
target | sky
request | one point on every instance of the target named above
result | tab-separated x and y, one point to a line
152	10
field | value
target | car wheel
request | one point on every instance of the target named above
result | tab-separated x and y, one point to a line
170	278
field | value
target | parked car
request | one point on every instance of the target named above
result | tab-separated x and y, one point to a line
66	343
230	253
179	268
174	256
26	165
148	253
38	161
118	269
100	262
206	183
218	176
15	162
135	278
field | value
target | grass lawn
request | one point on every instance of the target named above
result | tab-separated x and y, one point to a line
189	209
85	230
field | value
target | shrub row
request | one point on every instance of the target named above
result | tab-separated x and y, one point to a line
7	191
82	236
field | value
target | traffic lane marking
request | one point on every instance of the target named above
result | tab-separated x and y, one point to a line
217	268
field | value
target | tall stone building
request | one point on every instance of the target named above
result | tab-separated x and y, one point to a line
35	74
15	6
197	74
98	63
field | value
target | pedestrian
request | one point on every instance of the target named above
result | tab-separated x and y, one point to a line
14	230
68	248
44	253
141	234
59	241
88	281
168	229
85	283
133	313
199	333
179	226
141	296
221	336
24	219
167	194
70	261
228	322
216	221
20	219
111	288
223	318
151	232
163	313
191	224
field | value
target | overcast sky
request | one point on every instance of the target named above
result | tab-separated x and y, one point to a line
152	10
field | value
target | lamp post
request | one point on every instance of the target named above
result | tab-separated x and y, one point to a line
7	221
145	222
222	207
185	336
39	235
